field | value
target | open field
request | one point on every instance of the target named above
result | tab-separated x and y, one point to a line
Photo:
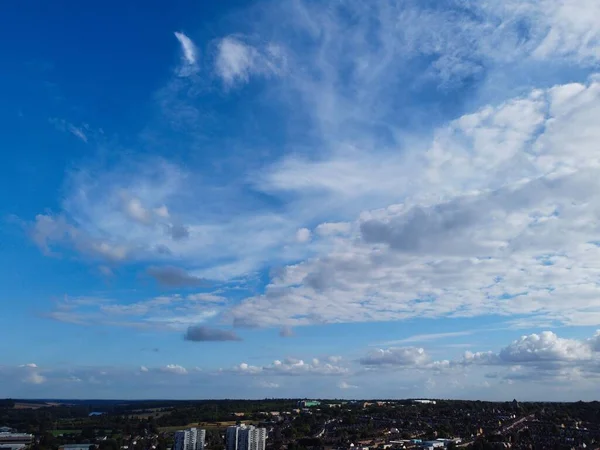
30	405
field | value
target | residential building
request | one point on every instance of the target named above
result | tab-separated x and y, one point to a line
76	447
231	438
246	438
425	401
190	439
14	441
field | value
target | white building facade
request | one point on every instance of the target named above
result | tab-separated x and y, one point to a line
246	438
190	439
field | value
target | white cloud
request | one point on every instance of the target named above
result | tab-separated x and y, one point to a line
333	228
168	312
143	369
35	378
498	218
174	368
429	337
546	346
292	366
78	132
496	215
134	209
206	297
400	356
303	235
346	385
557	28
162	211
538	349
33	375
190	55
237	61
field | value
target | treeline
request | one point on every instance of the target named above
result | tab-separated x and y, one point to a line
222	410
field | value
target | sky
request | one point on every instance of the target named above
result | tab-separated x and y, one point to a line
299	198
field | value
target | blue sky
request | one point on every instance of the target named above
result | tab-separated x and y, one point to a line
300	199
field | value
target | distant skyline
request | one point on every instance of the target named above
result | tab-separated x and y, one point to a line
386	199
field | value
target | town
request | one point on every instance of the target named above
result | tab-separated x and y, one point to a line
294	424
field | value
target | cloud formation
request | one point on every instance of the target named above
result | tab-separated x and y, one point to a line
491	213
174	277
78	132
189	55
489	227
175	369
206	334
400	356
162	313
237	61
293	367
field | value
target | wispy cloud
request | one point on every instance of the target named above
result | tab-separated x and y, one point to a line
237	61
486	212
429	337
190	55
63	125
162	313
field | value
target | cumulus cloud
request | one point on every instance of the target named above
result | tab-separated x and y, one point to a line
134	209
143	369
495	215
303	235
333	228
175	369
346	385
545	347
293	366
206	334
401	356
35	378
492	226
174	277
33	375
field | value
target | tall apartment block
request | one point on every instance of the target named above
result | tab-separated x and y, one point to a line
245	438
190	439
